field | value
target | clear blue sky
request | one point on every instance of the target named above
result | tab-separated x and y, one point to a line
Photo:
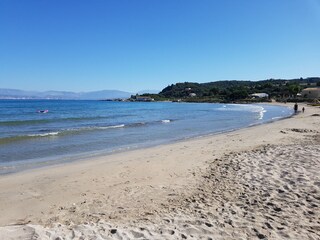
147	44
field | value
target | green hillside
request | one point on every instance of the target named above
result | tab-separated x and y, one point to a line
229	91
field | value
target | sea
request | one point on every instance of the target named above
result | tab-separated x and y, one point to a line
37	133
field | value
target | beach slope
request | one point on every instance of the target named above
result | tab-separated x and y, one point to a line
261	182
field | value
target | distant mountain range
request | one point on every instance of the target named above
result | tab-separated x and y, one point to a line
96	95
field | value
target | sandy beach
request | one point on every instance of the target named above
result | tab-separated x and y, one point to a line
261	182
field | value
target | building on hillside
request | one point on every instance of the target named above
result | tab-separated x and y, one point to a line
260	95
144	99
192	95
311	93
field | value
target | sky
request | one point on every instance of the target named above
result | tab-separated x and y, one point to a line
133	45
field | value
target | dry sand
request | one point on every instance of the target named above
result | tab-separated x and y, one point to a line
261	182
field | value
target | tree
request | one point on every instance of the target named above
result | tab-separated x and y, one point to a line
294	89
214	91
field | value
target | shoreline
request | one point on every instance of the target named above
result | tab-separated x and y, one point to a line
43	163
141	187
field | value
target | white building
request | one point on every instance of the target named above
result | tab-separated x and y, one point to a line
144	99
260	95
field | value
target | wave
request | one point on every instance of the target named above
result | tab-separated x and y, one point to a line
259	110
43	121
109	127
75	130
48	133
44	134
239	107
249	108
275	118
165	121
72	130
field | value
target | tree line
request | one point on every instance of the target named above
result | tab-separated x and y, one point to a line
231	91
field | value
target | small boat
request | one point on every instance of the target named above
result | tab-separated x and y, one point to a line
43	111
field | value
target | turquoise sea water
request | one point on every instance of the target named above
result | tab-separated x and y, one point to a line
73	129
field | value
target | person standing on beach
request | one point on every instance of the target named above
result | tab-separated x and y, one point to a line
303	109
295	107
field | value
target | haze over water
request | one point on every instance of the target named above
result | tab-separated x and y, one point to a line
79	129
